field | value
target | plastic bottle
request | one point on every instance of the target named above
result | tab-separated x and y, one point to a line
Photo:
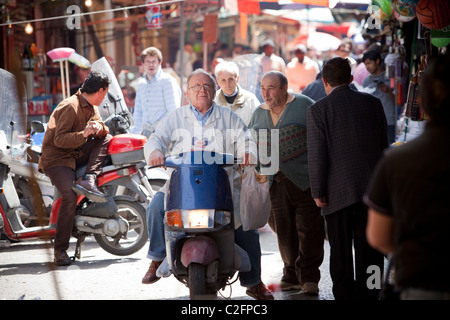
34	52
25	59
30	54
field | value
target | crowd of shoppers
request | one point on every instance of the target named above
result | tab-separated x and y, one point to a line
331	137
301	190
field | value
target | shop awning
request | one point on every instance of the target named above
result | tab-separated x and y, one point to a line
319	41
317	14
255	6
345	29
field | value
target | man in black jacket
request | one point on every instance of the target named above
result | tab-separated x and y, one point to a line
347	133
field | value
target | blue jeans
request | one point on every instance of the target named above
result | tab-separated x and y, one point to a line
247	240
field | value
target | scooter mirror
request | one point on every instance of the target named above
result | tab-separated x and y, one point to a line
112	98
37	126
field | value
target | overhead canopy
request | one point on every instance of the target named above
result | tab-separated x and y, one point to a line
254	6
318	14
319	41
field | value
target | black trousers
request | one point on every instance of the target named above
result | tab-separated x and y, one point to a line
94	155
347	229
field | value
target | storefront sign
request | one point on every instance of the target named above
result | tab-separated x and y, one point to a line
153	16
210	28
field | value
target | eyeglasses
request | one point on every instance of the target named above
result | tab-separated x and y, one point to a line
197	87
147	62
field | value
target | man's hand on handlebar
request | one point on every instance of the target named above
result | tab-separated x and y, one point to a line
157	158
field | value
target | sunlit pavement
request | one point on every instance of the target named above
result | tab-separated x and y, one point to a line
25	272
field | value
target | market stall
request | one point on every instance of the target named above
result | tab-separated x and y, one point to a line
414	31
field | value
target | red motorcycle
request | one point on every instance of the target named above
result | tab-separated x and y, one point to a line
118	225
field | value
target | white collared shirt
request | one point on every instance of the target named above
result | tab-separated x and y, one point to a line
154	99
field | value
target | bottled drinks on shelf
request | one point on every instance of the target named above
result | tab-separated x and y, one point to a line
26	63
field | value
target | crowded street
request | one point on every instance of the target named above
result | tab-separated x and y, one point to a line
247	154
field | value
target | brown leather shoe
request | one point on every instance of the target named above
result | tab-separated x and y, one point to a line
88	187
310	288
260	292
61	258
150	276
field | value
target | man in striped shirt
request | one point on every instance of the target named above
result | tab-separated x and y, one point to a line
156	96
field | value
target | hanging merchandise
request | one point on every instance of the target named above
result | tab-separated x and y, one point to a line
440	42
385	8
434	14
405	10
389	60
413	109
401	74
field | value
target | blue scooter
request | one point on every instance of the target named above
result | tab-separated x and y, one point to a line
199	223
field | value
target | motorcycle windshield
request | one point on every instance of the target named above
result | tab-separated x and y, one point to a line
114	103
13	109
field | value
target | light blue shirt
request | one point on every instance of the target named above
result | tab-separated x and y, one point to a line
154	99
388	103
199	116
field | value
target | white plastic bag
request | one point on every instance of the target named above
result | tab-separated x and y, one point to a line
255	200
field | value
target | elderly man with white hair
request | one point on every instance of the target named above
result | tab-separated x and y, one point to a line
202	125
231	94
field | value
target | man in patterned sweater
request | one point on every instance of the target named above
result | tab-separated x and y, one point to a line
294	217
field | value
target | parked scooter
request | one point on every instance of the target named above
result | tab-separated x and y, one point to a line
199	224
32	185
118	225
34	188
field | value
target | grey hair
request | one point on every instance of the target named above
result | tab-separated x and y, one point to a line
201	71
227	66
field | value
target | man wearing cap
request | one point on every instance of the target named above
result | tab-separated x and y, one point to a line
302	70
269	60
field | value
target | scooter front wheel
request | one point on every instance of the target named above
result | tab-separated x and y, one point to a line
198	289
137	235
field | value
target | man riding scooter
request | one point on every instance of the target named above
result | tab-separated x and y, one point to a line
75	136
203	125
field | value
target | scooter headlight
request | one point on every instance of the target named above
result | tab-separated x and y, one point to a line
198	218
